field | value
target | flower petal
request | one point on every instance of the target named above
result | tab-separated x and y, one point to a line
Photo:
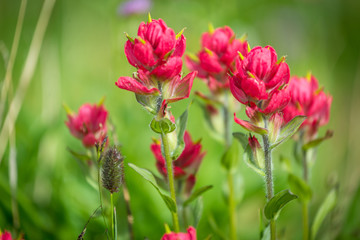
131	84
249	126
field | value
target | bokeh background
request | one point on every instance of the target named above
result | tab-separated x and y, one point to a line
82	55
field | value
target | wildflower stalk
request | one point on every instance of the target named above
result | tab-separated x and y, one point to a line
305	204
231	197
169	168
99	186
113	217
268	177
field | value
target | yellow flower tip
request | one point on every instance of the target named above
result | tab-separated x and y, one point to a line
141	40
240	55
281	60
211	28
249	48
244	37
129	38
101	102
193	57
167	228
250	74
180	33
208	51
149	18
67	109
308	76
319	90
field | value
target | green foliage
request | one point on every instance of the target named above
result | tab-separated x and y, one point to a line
300	188
288	130
197	193
276	203
163	125
147	175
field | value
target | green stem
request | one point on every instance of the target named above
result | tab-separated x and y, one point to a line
169	168
112	217
231	200
99	186
305	215
232	207
269	178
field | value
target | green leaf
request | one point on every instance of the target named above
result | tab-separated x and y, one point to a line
163	125
242	138
79	156
298	152
197	194
251	161
197	209
277	202
147	175
266	234
328	204
288	130
316	142
300	188
181	123
149	102
230	158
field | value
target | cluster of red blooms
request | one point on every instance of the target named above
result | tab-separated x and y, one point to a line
258	80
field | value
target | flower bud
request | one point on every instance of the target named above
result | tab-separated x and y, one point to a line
89	125
307	99
112	170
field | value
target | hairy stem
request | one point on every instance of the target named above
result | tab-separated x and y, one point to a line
169	168
269	178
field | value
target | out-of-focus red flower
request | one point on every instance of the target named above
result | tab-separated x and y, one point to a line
186	165
309	100
89	125
190	235
261	78
5	236
219	48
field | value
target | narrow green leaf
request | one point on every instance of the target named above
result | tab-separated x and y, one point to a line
266	234
197	209
181	124
316	142
169	202
197	194
147	175
163	125
300	188
230	158
251	161
242	138
288	130
79	156
328	204
277	202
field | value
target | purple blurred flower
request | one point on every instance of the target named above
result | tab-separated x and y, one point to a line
131	7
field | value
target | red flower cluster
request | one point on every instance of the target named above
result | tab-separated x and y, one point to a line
7	236
190	235
186	165
219	48
308	100
260	81
156	52
89	125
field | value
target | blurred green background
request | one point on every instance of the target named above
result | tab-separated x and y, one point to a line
82	56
